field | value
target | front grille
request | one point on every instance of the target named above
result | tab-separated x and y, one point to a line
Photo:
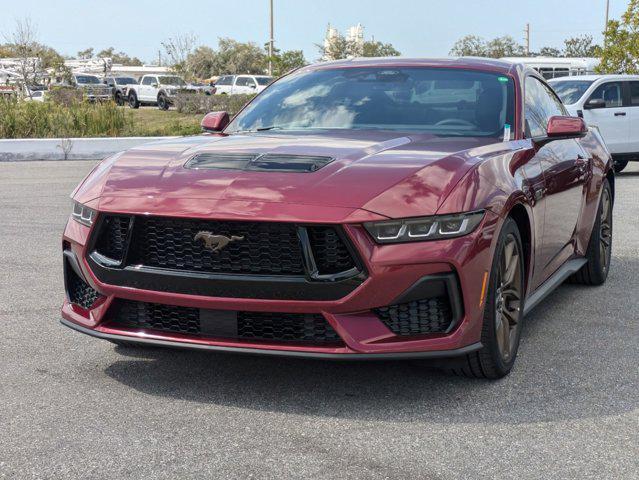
78	291
330	252
261	248
285	327
256	248
112	242
256	326
419	317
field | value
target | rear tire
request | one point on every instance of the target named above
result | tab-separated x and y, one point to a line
503	312
599	250
133	100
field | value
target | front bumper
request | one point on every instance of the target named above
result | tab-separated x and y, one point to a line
393	270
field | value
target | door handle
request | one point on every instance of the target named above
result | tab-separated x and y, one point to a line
620	114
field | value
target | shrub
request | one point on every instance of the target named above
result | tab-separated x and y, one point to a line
65	95
190	103
20	119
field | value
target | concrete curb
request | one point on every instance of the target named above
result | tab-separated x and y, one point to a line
29	149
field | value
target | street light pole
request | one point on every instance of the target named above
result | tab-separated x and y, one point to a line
270	42
607	13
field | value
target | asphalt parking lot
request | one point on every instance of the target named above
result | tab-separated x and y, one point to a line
76	407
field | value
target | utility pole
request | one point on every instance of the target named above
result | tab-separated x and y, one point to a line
607	14
271	42
527	38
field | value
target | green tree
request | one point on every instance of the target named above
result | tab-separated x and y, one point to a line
550	52
119	58
620	53
284	62
581	46
373	48
235	57
504	47
469	46
474	46
337	48
202	61
85	54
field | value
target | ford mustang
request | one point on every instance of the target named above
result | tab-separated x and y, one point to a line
358	209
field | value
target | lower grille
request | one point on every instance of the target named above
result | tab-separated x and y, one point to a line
263	326
419	317
79	292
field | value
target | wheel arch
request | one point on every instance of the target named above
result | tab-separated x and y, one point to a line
522	218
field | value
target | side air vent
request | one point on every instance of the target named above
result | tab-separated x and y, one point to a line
269	162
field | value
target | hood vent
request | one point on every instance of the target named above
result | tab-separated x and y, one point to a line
269	162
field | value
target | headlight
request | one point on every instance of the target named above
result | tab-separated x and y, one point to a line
83	214
425	228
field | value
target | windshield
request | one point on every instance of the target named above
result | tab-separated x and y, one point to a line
165	80
446	102
570	91
90	79
264	80
125	80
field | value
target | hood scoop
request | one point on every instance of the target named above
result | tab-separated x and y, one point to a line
267	162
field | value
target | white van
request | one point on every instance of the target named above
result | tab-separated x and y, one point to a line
611	102
551	67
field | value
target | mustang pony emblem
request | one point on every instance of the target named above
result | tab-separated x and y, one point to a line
215	243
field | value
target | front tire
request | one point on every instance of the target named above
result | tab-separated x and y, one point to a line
503	311
163	102
133	100
599	252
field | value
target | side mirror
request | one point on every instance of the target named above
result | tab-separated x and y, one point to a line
155	85
215	122
566	127
253	86
595	103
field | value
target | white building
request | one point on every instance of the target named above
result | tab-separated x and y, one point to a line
354	36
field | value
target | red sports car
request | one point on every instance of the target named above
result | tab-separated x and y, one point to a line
359	209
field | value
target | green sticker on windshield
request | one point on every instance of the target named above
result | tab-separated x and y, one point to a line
502	79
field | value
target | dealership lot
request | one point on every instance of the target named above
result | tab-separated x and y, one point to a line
73	406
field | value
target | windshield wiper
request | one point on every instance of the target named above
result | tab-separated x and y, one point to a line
272	127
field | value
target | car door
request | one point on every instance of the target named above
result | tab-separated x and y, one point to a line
565	166
146	88
604	108
633	116
241	85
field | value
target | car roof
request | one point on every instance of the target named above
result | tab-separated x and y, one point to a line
479	63
592	78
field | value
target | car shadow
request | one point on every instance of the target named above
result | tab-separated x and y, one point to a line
568	368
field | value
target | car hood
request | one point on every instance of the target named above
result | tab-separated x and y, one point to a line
382	172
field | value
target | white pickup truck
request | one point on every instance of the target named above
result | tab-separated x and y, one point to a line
157	90
611	102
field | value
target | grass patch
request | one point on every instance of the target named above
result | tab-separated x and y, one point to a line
77	119
151	122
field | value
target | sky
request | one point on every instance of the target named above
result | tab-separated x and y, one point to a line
424	28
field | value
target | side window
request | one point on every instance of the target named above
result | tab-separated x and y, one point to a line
540	104
610	92
250	82
226	80
555	107
535	117
242	81
634	94
148	80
